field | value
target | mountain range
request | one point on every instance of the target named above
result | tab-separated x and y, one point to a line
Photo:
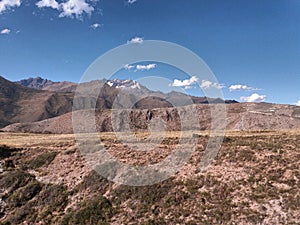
47	85
41	105
22	104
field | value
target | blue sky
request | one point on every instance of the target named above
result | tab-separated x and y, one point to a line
251	44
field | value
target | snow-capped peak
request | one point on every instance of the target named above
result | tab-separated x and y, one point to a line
117	83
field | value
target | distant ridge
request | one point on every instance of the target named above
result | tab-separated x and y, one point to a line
241	116
23	104
45	84
35	99
36	83
109	89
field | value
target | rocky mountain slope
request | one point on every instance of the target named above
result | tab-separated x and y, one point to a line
46	99
241	116
110	89
30	110
22	104
45	84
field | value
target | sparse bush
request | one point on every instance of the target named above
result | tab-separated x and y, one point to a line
24	194
53	196
43	159
193	185
246	155
227	139
97	210
146	195
94	183
69	151
12	180
19	215
6	151
50	201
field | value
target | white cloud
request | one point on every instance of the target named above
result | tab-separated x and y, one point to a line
298	103
136	40
185	83
5	31
48	3
96	26
205	84
6	4
75	8
140	67
69	8
131	1
237	87
128	67
145	67
254	98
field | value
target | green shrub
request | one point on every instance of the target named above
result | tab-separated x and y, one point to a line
146	195
97	210
93	182
24	194
19	215
43	159
12	180
54	197
48	202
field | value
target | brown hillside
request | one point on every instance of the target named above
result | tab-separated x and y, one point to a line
254	179
241	116
22	104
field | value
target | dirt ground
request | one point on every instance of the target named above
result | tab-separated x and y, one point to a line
254	179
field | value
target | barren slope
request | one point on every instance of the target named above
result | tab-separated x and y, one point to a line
240	116
253	180
21	104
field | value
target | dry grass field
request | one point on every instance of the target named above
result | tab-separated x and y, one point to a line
254	179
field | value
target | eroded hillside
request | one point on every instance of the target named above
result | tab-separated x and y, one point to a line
238	116
253	180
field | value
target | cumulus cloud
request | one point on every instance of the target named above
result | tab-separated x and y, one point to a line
146	67
136	40
140	67
131	1
254	98
75	8
5	31
186	84
7	4
69	8
236	87
206	84
298	103
96	26
48	3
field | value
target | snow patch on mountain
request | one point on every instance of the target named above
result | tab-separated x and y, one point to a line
117	83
